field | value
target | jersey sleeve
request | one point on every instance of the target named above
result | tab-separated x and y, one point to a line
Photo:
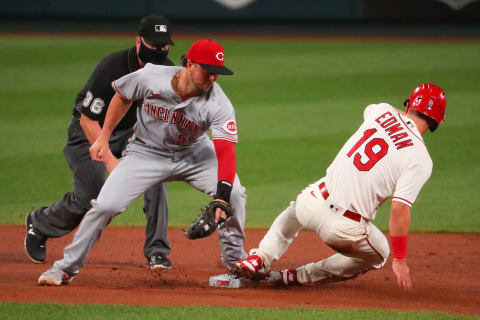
369	110
224	125
132	86
411	182
98	95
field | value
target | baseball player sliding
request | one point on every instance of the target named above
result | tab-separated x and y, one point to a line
170	143
385	158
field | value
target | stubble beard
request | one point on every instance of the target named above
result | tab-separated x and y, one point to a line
202	89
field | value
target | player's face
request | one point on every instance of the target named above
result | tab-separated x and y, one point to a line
201	78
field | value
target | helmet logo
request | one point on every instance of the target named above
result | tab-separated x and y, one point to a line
430	105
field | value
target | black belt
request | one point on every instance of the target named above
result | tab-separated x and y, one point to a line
348	214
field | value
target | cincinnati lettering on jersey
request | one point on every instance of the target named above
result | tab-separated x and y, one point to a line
185	123
177	118
158	112
392	127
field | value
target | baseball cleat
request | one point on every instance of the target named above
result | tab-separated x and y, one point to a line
159	261
249	266
34	242
54	277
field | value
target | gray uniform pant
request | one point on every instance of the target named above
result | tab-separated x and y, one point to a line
65	215
139	169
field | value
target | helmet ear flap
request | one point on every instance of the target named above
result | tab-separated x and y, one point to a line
406	104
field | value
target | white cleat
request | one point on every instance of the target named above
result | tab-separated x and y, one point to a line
54	277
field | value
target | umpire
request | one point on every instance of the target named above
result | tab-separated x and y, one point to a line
62	217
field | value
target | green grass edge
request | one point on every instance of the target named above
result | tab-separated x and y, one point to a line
15	310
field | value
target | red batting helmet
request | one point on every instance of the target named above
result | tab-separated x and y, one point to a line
429	100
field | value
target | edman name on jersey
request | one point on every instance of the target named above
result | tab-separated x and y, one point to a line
392	127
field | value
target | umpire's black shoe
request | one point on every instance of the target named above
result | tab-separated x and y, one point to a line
159	261
34	242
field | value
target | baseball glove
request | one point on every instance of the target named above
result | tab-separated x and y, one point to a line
205	225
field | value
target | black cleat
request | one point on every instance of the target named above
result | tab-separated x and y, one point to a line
159	261
34	242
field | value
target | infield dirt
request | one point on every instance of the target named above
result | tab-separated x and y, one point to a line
444	269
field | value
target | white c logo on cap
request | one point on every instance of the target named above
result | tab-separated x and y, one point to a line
220	56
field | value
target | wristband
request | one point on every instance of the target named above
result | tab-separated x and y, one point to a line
399	246
224	189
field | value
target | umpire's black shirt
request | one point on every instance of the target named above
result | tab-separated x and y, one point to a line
94	98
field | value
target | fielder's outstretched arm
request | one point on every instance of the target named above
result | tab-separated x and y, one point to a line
117	109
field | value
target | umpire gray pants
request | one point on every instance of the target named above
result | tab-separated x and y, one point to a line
138	170
64	215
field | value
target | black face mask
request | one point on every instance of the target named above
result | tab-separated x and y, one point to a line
151	55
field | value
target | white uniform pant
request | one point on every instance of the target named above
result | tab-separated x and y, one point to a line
360	245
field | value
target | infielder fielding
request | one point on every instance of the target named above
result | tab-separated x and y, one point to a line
170	143
88	117
386	158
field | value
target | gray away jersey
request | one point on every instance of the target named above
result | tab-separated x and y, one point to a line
164	121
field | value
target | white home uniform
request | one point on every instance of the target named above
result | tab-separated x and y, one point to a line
385	159
170	144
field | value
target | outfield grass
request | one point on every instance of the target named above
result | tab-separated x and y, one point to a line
296	103
115	312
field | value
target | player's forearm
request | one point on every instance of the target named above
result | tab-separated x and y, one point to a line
399	219
90	127
399	226
116	111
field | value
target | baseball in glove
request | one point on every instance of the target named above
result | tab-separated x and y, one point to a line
205	225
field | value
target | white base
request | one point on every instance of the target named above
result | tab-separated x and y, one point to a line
225	281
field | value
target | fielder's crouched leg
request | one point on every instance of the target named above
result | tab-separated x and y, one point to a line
232	233
89	232
121	188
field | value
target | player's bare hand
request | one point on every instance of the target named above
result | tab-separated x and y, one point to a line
219	213
99	150
402	273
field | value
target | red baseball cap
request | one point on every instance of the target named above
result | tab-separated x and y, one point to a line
209	55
